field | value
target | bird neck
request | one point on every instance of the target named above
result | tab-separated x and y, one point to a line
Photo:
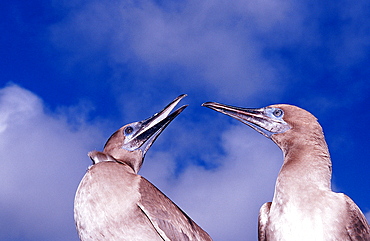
134	164
134	159
307	165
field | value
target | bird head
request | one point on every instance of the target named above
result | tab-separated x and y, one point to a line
280	123
130	143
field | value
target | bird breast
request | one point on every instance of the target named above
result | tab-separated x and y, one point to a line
106	205
318	217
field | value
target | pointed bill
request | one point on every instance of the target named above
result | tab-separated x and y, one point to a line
145	132
262	120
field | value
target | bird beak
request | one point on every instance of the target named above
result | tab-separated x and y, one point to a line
149	129
261	119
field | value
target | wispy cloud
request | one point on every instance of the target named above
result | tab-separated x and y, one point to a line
214	44
236	51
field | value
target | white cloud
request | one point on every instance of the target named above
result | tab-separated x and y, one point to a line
42	161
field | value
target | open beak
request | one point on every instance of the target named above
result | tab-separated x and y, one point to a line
148	130
260	119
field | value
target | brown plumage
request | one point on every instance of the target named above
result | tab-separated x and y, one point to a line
304	207
113	202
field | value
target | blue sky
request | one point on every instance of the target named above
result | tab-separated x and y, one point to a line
72	72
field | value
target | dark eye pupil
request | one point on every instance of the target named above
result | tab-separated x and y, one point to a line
129	130
278	113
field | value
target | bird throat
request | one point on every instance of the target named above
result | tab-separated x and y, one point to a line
306	168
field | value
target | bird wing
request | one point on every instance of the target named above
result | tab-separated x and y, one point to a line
262	221
357	225
168	219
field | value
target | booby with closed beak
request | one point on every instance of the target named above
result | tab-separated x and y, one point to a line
113	202
303	207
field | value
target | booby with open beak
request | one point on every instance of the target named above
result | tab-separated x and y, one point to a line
303	207
113	202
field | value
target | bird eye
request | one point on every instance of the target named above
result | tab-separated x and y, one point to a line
128	130
278	113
